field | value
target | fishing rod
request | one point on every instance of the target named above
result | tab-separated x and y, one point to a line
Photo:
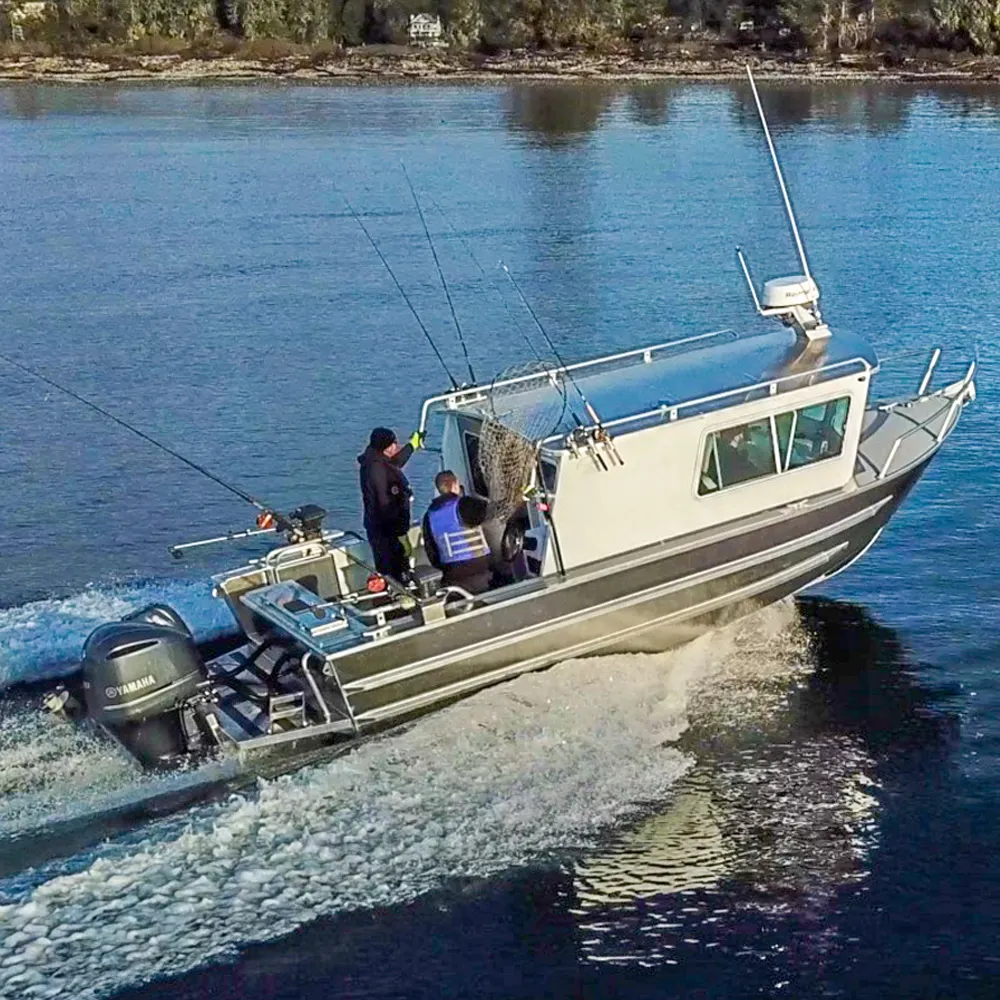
444	284
503	301
482	270
601	434
268	518
430	340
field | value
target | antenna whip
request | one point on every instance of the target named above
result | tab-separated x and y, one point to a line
777	170
430	340
135	430
444	284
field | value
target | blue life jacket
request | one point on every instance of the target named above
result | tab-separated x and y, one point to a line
455	542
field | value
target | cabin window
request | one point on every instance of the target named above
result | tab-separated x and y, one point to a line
750	451
737	455
548	476
475	469
816	432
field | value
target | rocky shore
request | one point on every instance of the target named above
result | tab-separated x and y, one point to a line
360	66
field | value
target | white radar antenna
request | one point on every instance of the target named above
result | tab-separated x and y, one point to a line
794	300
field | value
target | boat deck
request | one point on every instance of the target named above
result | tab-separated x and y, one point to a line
260	703
901	434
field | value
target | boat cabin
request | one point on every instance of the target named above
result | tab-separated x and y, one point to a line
649	445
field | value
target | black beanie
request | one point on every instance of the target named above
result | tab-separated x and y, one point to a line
381	438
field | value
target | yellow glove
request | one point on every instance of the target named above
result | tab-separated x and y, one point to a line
417	440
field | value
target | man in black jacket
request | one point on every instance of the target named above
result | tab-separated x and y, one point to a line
386	495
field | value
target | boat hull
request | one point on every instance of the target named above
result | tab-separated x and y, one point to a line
654	603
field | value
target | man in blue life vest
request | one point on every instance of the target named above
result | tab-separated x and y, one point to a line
453	536
386	494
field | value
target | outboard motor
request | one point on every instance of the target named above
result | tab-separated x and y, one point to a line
159	614
137	676
306	523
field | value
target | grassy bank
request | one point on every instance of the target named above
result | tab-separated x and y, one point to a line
272	59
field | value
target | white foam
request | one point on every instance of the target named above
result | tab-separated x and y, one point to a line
43	639
544	763
47	767
51	771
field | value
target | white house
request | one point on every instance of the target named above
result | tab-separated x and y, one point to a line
425	28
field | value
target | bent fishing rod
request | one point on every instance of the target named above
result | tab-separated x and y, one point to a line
268	519
490	281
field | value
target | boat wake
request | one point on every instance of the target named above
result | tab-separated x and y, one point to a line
42	640
45	765
60	783
544	764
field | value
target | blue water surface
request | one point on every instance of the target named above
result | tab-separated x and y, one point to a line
187	258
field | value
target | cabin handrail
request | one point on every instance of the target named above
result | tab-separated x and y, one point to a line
772	384
471	393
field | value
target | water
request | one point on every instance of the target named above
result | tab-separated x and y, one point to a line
803	805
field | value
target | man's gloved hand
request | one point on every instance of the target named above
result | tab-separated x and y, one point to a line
417	439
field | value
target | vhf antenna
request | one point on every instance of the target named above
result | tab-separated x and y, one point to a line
793	300
780	176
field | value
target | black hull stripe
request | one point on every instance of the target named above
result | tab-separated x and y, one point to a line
731	604
593	598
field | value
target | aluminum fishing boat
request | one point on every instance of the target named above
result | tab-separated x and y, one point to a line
701	495
640	497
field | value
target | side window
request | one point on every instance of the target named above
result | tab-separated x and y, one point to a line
740	454
475	470
548	476
817	432
737	455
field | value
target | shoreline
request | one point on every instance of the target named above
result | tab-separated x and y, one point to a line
436	67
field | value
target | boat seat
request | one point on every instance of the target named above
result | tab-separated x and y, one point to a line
265	662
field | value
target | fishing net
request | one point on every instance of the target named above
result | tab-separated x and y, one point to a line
519	417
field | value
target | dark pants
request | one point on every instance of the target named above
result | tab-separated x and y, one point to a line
473	576
389	554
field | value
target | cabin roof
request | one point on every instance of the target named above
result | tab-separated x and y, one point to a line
637	388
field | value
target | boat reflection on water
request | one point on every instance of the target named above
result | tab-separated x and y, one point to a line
779	820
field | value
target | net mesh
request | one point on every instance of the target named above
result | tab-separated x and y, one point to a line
519	417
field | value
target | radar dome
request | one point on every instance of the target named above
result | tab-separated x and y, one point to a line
785	293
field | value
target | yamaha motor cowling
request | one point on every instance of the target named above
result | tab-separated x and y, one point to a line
138	675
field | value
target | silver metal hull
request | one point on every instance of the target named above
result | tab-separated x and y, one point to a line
648	601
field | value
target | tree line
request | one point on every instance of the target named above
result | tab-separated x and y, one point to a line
824	28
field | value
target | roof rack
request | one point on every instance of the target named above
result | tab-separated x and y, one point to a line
774	386
458	398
